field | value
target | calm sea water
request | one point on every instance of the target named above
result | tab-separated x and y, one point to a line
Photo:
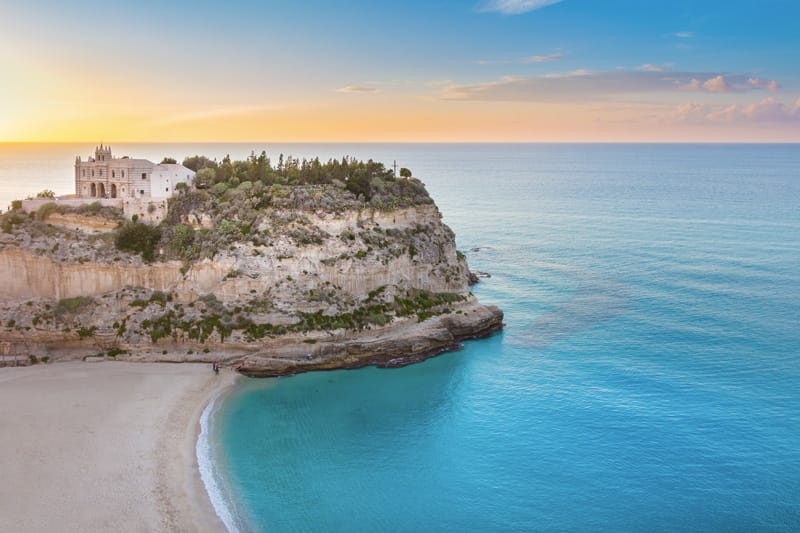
648	377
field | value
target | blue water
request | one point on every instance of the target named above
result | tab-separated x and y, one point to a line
648	378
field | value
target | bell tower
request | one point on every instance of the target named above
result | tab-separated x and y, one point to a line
102	154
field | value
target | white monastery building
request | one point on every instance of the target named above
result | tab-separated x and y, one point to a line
106	177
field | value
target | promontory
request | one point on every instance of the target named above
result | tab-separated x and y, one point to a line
272	267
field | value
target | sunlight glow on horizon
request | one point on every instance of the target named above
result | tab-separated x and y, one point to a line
220	83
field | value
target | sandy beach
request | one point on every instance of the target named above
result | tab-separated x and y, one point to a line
104	447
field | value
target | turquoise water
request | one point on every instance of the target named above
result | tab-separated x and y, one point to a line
648	377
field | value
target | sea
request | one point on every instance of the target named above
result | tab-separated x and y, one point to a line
647	379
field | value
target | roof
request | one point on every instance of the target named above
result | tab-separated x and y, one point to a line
172	167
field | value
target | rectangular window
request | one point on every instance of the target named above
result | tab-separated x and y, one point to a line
123	173
167	189
144	176
113	174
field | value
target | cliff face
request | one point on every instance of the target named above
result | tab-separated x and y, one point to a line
368	287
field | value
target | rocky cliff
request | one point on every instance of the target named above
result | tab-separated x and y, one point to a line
299	287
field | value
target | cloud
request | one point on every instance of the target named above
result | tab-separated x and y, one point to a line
516	7
717	84
771	85
767	110
689	113
523	60
653	68
351	89
586	85
542	59
683	34
723	83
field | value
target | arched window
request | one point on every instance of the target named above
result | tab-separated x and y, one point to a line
113	174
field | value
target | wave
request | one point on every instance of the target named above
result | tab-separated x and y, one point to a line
208	472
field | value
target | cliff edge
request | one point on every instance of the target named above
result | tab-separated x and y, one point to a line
274	278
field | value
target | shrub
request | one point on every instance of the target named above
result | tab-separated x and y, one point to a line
86	332
73	305
138	238
46	210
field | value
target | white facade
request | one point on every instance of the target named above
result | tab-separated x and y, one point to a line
164	178
104	176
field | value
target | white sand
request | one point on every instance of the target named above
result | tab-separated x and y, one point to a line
104	447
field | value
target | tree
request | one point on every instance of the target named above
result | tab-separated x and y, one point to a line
140	238
205	178
47	193
169	161
199	161
405	173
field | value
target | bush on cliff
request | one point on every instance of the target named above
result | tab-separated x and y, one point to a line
138	238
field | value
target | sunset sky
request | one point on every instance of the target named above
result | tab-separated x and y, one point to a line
432	70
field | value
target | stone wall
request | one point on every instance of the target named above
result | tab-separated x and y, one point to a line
32	206
148	210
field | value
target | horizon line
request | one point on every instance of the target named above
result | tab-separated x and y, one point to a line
401	142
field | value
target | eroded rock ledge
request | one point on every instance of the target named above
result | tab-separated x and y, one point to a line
297	289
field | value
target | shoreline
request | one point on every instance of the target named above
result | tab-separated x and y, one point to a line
188	502
105	446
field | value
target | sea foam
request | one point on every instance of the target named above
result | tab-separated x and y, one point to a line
208	472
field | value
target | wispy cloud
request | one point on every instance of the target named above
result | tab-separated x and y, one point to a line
541	59
649	67
771	85
586	85
767	110
515	7
523	60
683	34
353	89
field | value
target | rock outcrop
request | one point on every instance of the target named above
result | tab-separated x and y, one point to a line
309	290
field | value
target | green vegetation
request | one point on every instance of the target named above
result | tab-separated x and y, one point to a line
86	332
46	210
138	238
216	318
73	305
11	219
235	200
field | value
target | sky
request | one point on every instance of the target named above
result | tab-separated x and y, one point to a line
400	71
